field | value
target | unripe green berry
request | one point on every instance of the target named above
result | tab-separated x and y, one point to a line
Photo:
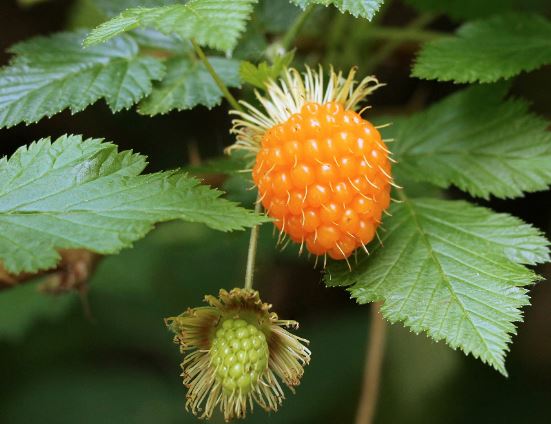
228	363
240	354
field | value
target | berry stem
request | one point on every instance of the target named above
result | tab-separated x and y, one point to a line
388	48
251	255
295	27
404	34
229	97
373	364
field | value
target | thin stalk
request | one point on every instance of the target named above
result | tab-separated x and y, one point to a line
229	97
388	48
404	34
251	254
373	364
295	27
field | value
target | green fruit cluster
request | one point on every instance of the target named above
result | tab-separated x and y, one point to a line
240	354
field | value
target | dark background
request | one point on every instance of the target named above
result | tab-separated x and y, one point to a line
57	366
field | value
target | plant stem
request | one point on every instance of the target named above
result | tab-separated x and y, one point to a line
373	364
404	34
251	254
229	97
387	49
295	27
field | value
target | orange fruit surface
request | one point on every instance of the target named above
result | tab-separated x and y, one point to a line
324	175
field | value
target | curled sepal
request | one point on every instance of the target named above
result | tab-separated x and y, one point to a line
235	353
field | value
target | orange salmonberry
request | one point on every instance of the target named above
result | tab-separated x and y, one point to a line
322	171
324	175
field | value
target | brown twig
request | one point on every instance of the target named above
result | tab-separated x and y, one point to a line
72	272
373	363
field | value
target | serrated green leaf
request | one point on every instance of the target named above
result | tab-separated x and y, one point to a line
463	9
477	142
213	23
84	194
488	50
188	84
452	270
259	75
364	8
50	74
147	38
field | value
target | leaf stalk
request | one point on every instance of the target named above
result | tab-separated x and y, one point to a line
229	97
295	27
373	364
388	48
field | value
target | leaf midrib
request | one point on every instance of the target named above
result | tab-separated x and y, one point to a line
443	275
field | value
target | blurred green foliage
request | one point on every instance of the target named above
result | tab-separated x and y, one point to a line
123	367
